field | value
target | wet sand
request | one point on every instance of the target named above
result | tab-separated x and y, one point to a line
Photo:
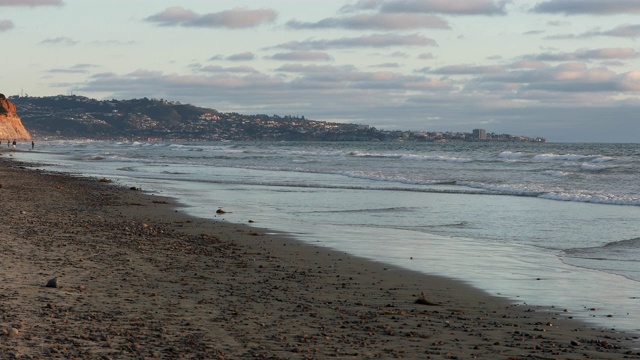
137	278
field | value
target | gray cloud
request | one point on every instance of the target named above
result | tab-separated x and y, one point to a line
603	82
245	56
387	65
557	23
375	41
302	56
466	7
624	31
63	41
113	43
588	7
76	69
375	21
220	69
468	70
528	64
588	54
236	18
31	3
568	77
6	25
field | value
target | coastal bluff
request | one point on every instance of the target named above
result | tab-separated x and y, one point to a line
11	127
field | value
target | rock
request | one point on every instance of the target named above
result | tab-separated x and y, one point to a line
10	125
53	283
220	211
13	332
105	180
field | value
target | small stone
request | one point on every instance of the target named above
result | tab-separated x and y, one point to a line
13	332
53	283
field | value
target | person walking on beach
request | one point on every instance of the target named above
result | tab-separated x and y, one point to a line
8	143
33	145
14	144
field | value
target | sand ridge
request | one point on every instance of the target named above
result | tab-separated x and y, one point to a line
139	279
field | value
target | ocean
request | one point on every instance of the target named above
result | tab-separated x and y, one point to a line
544	224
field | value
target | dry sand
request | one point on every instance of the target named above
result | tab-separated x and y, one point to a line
138	279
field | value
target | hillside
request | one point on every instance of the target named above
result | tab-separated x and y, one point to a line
78	116
81	117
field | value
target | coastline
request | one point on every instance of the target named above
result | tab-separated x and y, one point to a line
138	278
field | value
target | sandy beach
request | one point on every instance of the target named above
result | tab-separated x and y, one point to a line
131	276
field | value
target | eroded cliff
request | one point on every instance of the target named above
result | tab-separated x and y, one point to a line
11	127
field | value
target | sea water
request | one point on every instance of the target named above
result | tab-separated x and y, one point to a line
540	223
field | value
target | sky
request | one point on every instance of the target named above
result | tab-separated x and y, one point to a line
566	70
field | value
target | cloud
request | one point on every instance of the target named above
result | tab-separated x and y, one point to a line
326	76
624	31
387	65
220	69
303	56
76	69
113	42
588	7
528	64
466	7
376	22
468	70
236	18
31	3
593	82
589	54
572	77
375	41
6	25
245	56
558	23
63	41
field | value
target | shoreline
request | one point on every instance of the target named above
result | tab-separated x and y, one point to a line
139	278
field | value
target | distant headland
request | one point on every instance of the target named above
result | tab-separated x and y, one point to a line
72	116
